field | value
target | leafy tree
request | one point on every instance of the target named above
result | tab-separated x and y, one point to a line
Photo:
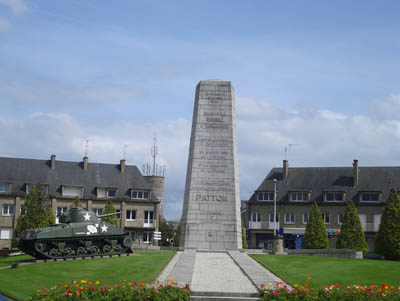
177	236
387	242
112	219
315	236
244	241
36	212
76	202
351	233
167	232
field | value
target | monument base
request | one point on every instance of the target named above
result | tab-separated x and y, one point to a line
278	247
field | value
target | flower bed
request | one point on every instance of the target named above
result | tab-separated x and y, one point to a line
331	292
96	290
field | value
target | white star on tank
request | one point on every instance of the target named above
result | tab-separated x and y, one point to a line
87	217
104	228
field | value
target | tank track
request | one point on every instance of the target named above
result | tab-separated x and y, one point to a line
83	246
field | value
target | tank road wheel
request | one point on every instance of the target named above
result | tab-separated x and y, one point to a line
40	246
67	252
93	250
80	251
53	253
127	242
118	249
107	249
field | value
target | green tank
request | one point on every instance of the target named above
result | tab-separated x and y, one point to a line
80	233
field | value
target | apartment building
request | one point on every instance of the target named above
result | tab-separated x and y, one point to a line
296	189
137	197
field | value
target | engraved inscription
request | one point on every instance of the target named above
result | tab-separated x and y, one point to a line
214	126
211	198
214	119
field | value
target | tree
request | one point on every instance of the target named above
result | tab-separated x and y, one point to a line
177	236
36	212
244	240
112	219
315	236
76	202
167	232
351	233
387	242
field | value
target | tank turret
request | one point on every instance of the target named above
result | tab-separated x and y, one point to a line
80	233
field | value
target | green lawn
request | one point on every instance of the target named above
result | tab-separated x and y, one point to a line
22	282
325	271
7	261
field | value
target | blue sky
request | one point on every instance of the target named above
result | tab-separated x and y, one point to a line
323	75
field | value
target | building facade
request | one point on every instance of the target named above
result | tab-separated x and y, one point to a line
296	189
138	198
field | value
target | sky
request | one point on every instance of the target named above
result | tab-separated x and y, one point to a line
319	78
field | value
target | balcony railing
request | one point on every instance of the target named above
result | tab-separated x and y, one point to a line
263	225
145	223
266	225
370	227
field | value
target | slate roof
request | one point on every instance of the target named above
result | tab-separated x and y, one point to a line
21	171
322	179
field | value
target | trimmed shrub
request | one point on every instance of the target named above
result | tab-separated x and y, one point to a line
315	236
351	233
112	219
387	242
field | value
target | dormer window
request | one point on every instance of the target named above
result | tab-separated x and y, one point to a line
104	192
265	196
141	195
29	186
370	197
72	191
300	196
5	187
334	196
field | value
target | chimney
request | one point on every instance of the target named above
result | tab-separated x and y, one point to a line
85	162
355	173
53	162
285	169
122	165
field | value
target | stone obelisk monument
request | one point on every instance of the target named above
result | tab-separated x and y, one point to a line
211	210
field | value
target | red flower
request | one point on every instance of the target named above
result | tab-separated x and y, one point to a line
262	286
141	283
306	285
138	292
46	290
116	286
187	285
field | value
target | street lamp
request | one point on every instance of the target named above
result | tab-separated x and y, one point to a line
274	208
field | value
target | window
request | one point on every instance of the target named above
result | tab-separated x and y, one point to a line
271	217
144	195
60	211
106	192
5	187
325	217
130	215
377	222
265	196
8	209
305	218
299	196
340	218
6	233
132	234
28	187
334	196
147	237
256	217
111	192
98	211
148	217
370	197
289	218
72	191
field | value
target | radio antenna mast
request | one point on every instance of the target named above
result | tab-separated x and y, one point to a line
154	153
87	145
287	148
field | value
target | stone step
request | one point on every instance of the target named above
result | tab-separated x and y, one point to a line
223	298
223	294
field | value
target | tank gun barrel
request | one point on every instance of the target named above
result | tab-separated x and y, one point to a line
108	214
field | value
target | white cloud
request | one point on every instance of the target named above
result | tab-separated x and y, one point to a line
110	92
18	7
386	108
5	25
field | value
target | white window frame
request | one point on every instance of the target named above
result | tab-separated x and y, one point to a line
4	185
149	237
97	211
265	196
290	215
72	186
324	215
60	210
130	210
297	193
370	193
7	212
256	217
338	218
271	217
140	194
335	193
3	232
308	216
